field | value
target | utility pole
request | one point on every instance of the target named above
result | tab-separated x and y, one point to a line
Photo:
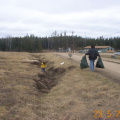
48	44
85	39
21	45
73	41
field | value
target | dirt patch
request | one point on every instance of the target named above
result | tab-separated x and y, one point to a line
109	75
71	67
46	81
52	71
2	58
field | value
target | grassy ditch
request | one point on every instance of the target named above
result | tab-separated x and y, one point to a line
70	93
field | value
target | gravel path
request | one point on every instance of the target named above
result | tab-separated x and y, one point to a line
112	67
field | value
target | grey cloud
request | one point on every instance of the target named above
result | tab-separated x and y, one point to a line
42	17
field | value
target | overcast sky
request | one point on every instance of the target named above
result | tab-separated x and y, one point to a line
90	18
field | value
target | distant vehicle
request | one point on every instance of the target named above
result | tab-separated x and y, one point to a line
99	51
117	53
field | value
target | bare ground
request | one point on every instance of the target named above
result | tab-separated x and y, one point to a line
72	94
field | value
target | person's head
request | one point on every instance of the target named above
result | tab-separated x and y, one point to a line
46	61
92	46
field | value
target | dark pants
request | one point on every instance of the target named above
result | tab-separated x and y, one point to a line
92	65
43	69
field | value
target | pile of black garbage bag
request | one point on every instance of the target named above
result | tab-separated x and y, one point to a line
84	63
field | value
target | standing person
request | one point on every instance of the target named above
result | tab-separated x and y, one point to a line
44	65
93	53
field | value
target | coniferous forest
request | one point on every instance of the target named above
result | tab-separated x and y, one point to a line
31	43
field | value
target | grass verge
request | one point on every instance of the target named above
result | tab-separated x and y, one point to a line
76	96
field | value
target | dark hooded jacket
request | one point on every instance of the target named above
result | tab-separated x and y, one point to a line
93	53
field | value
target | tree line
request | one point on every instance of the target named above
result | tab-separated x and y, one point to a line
37	44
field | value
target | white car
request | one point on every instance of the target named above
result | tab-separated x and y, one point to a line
117	53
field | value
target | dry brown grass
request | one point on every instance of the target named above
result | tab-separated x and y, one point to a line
76	96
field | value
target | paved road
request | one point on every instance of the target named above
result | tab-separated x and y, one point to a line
112	68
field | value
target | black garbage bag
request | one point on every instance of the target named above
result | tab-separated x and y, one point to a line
99	63
84	63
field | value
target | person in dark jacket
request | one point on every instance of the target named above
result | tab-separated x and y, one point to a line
93	53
